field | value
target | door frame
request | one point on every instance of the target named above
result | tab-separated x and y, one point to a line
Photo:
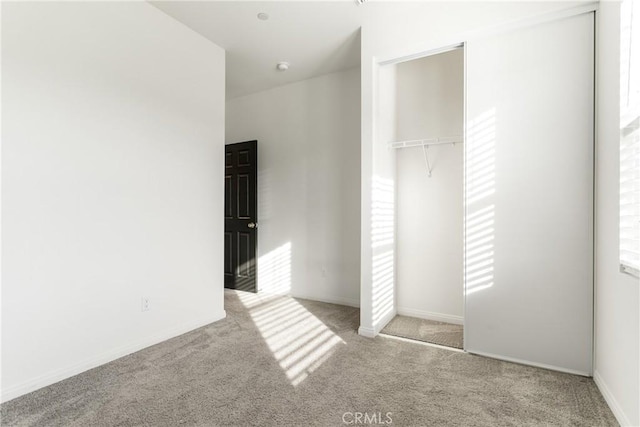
378	65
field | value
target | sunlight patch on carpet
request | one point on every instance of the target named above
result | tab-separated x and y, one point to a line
298	340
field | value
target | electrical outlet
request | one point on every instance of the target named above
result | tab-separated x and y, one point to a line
145	304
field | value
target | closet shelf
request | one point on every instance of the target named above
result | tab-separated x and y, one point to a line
426	143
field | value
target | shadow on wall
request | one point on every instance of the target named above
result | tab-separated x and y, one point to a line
382	243
480	207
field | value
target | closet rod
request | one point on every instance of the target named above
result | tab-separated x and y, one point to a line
425	144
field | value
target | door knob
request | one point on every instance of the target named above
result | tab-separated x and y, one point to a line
253	225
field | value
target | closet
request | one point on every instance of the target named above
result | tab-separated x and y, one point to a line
429	172
493	230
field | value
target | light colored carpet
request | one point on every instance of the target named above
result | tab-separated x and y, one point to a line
440	333
284	362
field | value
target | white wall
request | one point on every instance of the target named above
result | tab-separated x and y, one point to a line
112	162
308	184
430	104
408	29
617	314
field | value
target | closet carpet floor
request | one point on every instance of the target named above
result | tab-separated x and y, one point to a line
440	333
279	361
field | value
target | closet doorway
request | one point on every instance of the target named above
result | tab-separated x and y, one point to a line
429	208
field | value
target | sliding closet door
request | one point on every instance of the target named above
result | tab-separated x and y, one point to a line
529	195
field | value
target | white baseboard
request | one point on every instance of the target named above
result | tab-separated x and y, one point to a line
330	299
384	321
12	392
429	315
621	417
366	332
529	363
371	332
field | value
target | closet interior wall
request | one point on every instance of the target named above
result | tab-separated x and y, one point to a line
429	245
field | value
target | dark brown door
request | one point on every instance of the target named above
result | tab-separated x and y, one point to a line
240	215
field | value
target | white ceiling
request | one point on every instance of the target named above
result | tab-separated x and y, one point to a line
314	37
